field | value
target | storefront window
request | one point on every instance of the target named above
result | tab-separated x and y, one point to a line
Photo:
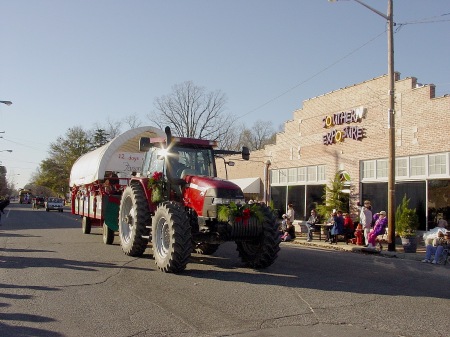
382	168
278	194
314	197
274	177
283	176
301	174
292	178
296	196
321	173
417	165
368	169
438	201
437	164
312	173
401	167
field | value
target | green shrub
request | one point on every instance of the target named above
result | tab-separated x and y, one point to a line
406	219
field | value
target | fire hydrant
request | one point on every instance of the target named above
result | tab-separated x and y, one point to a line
359	235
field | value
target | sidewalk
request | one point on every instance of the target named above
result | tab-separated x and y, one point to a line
399	253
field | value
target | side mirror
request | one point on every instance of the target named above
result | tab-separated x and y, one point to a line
245	153
144	144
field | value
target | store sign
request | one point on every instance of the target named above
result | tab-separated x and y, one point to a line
335	135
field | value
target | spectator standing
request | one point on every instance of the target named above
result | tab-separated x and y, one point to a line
365	219
290	214
349	227
311	224
337	228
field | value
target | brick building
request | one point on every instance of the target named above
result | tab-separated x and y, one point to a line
347	130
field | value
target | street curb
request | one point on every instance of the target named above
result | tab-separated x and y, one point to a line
418	256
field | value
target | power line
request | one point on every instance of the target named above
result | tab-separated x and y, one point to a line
313	76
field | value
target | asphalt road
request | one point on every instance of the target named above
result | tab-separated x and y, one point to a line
56	281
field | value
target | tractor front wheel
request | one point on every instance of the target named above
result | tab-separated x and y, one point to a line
171	238
261	252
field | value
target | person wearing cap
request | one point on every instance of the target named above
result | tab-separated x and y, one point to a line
313	220
284	223
365	218
379	228
332	220
437	247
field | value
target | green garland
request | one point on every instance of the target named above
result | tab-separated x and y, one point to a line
233	210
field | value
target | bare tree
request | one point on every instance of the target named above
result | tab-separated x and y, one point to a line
255	138
262	133
111	128
132	121
192	112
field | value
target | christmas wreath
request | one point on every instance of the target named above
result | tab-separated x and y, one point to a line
156	184
238	212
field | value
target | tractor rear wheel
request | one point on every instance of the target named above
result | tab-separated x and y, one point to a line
262	251
86	225
171	238
134	221
108	235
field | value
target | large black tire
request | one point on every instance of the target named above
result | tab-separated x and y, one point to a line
171	238
262	251
134	221
205	248
108	235
86	225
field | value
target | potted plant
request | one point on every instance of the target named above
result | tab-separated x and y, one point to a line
406	224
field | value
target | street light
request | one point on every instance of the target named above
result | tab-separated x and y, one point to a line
6	151
391	118
6	102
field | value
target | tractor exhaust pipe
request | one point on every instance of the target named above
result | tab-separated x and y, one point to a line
168	135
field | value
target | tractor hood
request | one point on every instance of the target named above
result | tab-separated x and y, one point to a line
204	183
204	194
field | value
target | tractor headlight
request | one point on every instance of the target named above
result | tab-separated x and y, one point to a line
227	201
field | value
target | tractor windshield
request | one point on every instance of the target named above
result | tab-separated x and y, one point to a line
182	161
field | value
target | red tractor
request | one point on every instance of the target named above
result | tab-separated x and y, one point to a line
178	203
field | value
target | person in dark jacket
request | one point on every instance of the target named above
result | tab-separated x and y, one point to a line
3	203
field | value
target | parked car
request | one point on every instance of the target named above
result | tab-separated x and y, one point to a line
54	204
38	202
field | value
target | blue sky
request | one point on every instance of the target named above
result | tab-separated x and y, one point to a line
80	62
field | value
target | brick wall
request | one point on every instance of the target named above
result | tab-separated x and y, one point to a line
422	126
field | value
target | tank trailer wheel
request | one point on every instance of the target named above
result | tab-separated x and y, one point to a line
261	252
86	225
171	238
108	235
134	217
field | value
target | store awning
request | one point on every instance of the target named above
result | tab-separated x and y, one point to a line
249	185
